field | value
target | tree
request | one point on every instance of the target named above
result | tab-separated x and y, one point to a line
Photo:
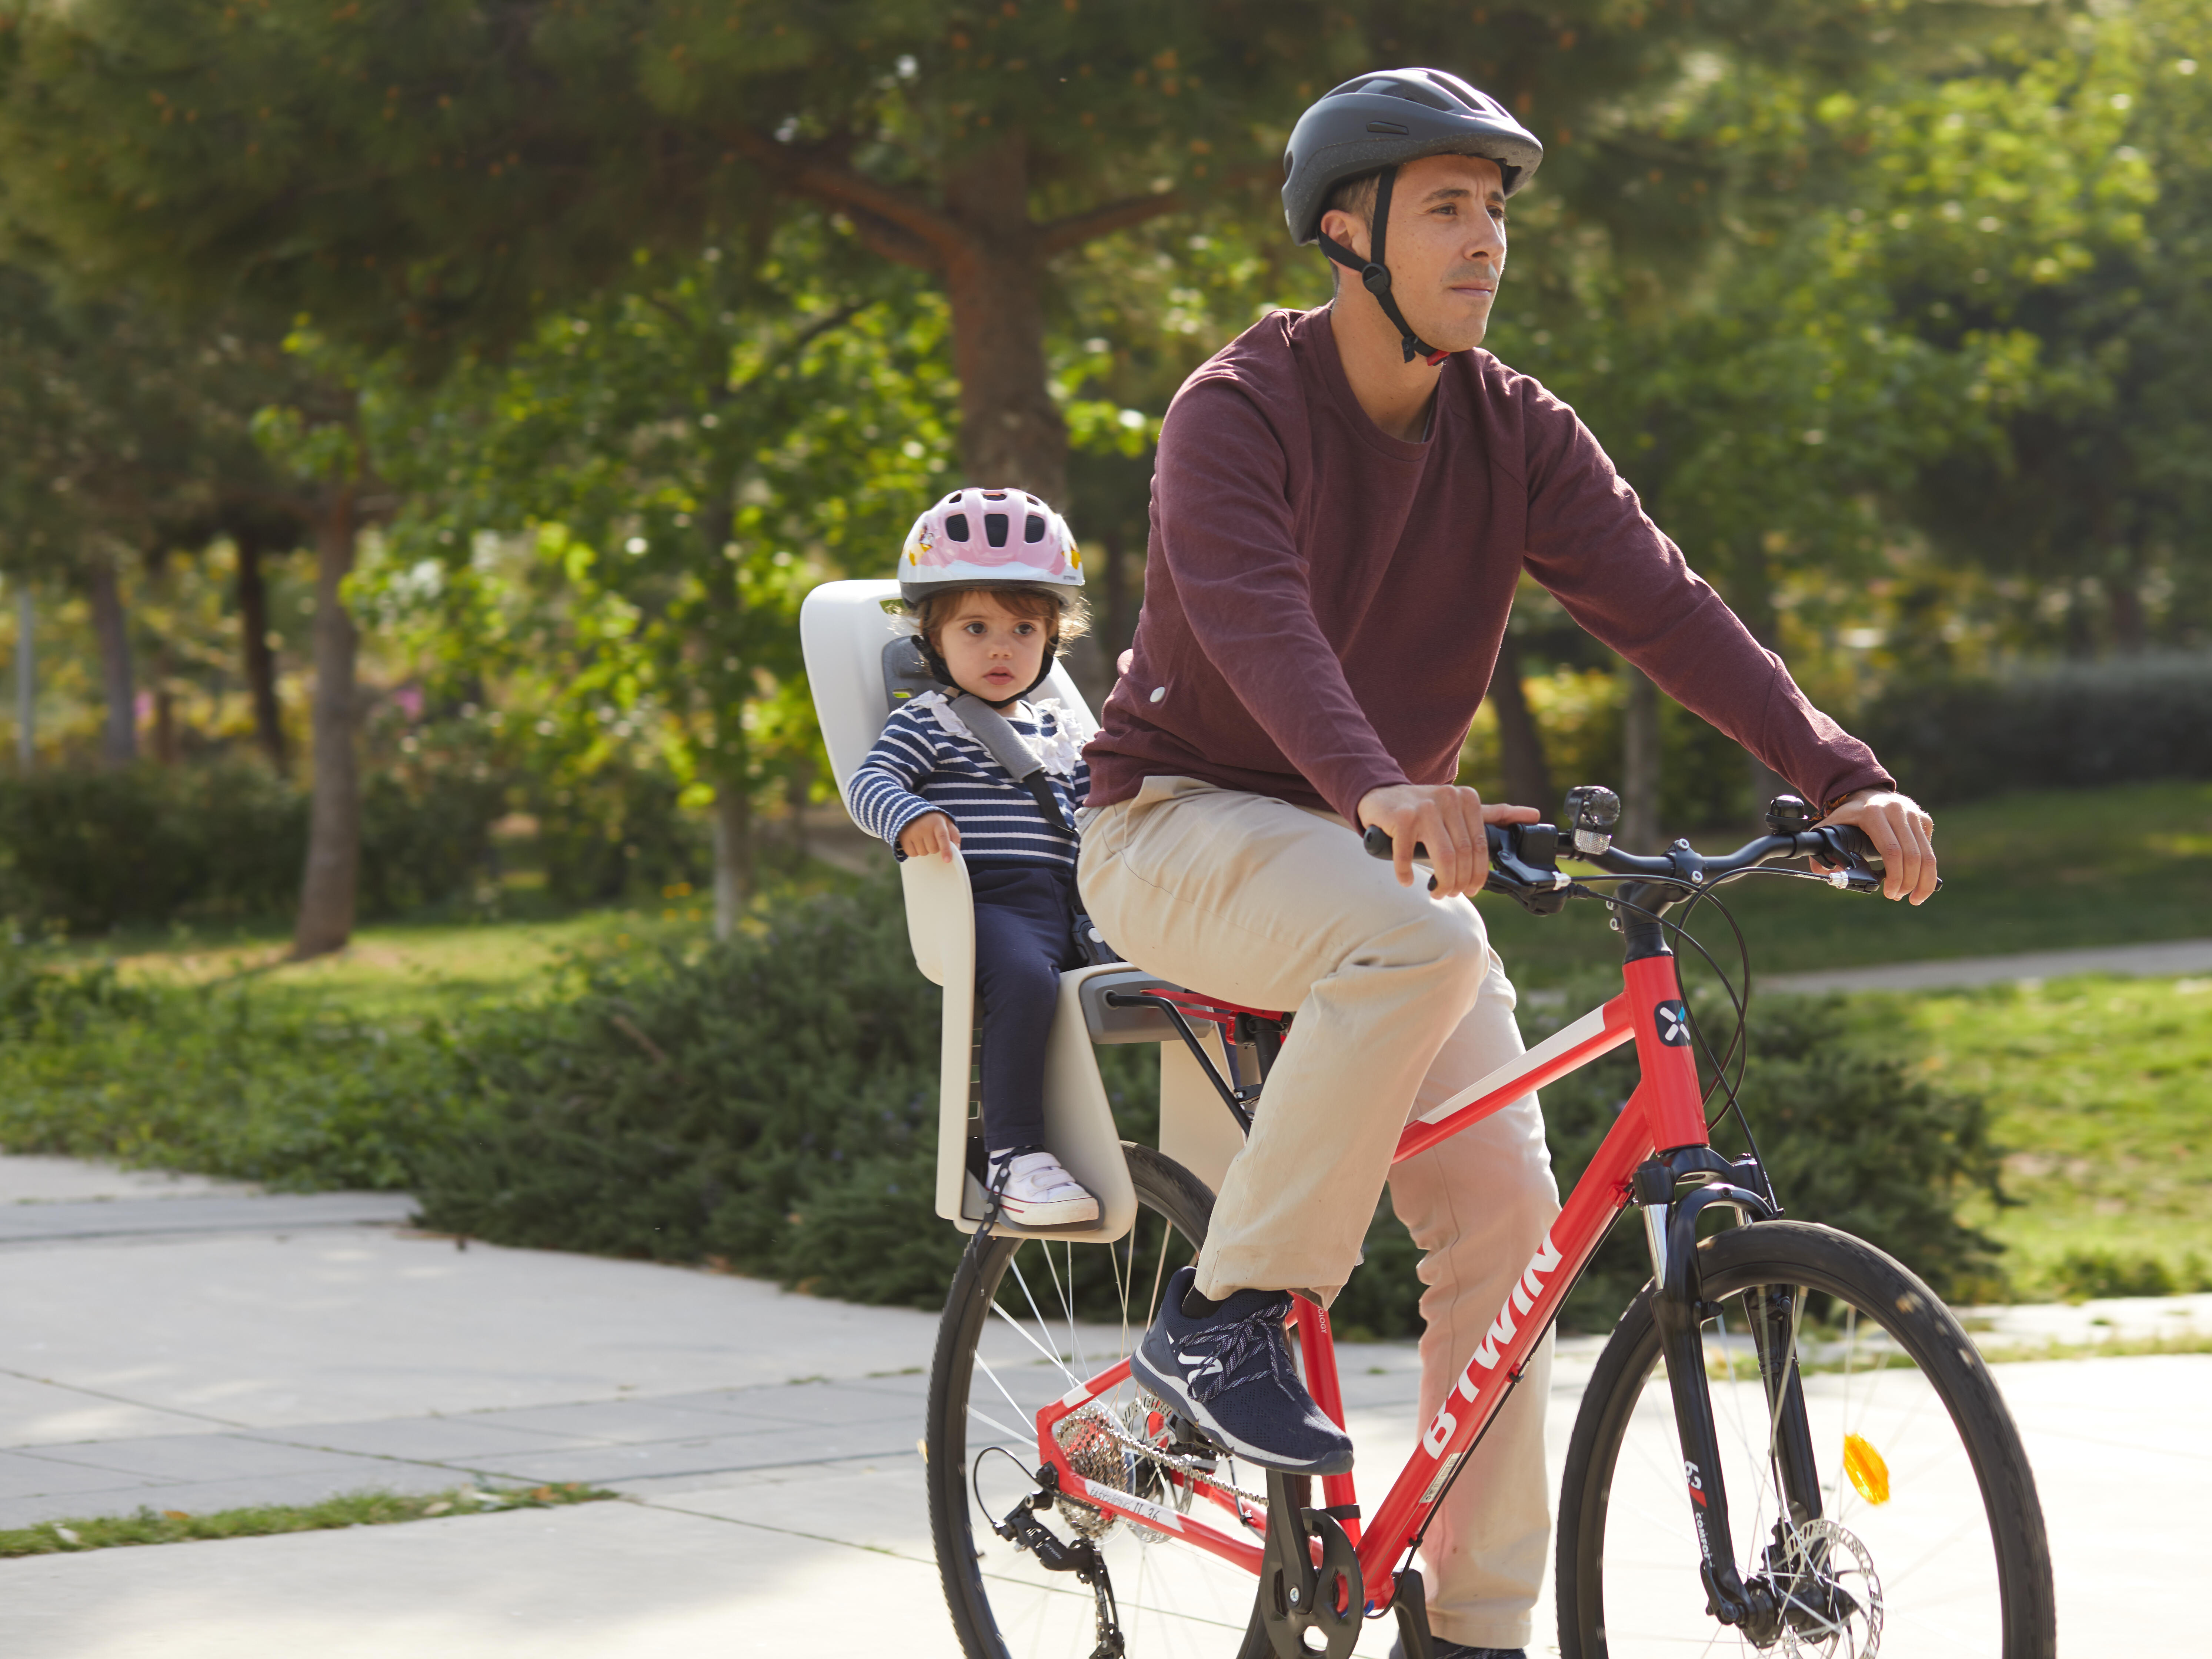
677	461
438	172
2093	509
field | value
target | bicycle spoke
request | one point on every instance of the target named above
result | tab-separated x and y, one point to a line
1049	1355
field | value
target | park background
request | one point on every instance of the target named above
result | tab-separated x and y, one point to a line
419	425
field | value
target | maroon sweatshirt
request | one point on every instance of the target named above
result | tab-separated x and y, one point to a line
1323	603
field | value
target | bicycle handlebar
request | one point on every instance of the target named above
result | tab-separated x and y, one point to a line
1523	861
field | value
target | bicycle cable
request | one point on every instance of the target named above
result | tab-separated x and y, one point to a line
1738	1051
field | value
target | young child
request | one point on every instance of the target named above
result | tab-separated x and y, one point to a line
993	581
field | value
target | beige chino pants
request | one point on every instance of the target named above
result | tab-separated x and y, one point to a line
1400	1003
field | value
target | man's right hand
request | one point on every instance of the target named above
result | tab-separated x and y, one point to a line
932	832
1446	819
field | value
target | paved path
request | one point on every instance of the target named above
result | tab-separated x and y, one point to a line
201	1346
2189	956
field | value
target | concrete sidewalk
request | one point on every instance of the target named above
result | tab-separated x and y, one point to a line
2188	956
192	1345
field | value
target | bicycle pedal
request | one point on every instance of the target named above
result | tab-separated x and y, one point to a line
1186	1439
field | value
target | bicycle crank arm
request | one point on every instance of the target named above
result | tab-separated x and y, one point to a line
1297	1596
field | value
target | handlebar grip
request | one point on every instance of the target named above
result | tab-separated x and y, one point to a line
1379	845
1852	839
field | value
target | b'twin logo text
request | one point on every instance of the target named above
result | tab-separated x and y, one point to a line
1517	1307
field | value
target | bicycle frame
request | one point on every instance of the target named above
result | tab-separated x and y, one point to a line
1664	1116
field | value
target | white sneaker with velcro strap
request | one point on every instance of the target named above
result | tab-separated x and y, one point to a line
1038	1192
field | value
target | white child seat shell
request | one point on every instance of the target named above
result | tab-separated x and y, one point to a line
843	627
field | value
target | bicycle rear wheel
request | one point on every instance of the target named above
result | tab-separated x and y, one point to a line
1027	1318
1929	1528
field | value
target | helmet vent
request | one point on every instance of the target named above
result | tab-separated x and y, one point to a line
1415	92
1387	126
995	529
1032	528
956	527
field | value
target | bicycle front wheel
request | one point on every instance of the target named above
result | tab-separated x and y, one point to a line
1928	1539
1026	1321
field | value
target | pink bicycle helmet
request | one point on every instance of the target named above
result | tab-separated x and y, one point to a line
989	538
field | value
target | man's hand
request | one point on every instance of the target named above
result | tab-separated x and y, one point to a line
1902	834
932	832
1447	820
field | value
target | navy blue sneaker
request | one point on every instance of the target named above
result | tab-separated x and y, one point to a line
1230	1372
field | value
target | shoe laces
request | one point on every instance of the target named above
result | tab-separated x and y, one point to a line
1258	1334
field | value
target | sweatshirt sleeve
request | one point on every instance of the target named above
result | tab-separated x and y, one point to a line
1220	489
1591	543
882	793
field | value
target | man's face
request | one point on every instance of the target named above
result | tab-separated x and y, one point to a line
1446	249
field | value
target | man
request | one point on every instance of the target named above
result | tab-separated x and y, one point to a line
1345	499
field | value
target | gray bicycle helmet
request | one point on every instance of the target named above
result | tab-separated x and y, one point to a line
1376	124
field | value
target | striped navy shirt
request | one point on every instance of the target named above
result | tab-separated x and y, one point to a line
927	762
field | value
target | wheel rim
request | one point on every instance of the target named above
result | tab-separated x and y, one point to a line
1035	1340
1920	1567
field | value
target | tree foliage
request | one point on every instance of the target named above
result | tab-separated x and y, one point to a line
617	520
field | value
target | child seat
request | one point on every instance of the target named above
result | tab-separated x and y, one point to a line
844	628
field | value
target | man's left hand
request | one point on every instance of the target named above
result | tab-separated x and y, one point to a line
1903	836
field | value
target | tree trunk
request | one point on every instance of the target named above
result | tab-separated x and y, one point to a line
1640	830
118	734
168	744
260	658
27	678
327	888
1011	431
1520	744
733	855
1116	627
2124	598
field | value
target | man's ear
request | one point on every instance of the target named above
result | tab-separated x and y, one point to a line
1347	230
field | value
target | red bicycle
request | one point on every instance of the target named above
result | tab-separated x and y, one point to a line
1788	1445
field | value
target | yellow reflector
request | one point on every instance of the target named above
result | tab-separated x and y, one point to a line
1867	1470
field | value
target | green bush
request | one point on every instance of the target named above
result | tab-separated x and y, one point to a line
2071	726
427	812
214	1081
91	851
149	845
2081	1275
603	836
689	1108
772	1103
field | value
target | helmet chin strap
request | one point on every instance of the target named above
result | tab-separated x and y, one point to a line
1375	275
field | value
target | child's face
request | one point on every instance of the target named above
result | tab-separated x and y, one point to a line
994	653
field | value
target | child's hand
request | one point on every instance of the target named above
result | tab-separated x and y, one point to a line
932	832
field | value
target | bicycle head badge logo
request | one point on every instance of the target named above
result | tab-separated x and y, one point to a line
1673	1020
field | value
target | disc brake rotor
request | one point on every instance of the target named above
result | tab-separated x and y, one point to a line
1831	1600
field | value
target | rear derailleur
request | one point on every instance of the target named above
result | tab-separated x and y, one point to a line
1024	1531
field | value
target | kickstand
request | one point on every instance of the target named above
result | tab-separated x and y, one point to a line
1410	1601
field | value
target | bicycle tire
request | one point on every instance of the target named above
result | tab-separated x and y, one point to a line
1002	1606
1955	1557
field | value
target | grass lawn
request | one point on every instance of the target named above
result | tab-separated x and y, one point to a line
2044	871
398	970
362	1509
2102	1089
